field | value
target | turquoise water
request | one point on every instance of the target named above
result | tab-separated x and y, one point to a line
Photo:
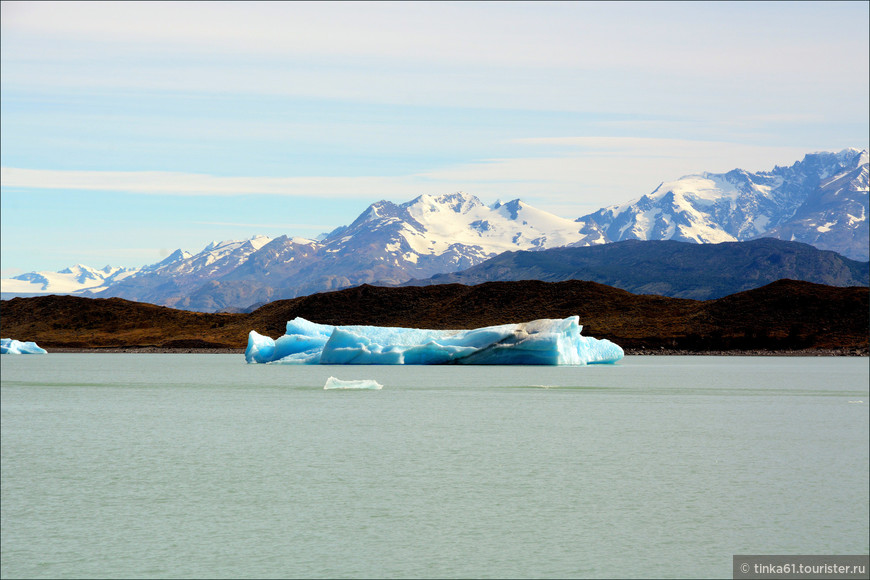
147	465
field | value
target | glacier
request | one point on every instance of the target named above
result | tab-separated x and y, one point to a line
12	346
539	342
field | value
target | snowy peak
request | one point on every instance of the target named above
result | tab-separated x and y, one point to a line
850	156
215	258
175	256
455	222
457	202
795	203
377	211
77	278
82	274
447	223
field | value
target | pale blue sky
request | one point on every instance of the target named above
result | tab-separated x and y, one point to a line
131	129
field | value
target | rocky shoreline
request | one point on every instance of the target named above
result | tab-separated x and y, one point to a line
786	318
753	352
629	352
146	350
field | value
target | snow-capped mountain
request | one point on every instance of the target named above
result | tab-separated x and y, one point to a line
70	280
448	232
182	273
822	200
387	243
80	279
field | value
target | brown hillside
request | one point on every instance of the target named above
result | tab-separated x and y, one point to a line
784	315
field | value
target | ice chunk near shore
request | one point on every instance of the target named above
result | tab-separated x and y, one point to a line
334	383
540	342
12	346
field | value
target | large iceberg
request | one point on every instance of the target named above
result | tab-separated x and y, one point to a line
540	342
12	346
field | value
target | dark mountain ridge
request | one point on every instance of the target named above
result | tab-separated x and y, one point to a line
670	268
781	317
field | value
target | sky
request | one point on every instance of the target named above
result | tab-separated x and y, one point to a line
128	129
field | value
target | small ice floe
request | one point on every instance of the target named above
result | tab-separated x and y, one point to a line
334	383
12	346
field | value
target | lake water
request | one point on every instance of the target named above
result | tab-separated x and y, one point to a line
189	466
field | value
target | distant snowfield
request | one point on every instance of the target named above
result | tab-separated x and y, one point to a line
74	279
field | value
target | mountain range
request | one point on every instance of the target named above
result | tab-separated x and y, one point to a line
669	268
821	200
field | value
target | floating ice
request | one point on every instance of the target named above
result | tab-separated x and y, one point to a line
540	342
12	346
334	383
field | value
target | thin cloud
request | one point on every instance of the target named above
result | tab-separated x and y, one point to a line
562	55
177	183
585	171
550	34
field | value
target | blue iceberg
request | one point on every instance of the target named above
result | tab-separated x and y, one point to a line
12	346
540	342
